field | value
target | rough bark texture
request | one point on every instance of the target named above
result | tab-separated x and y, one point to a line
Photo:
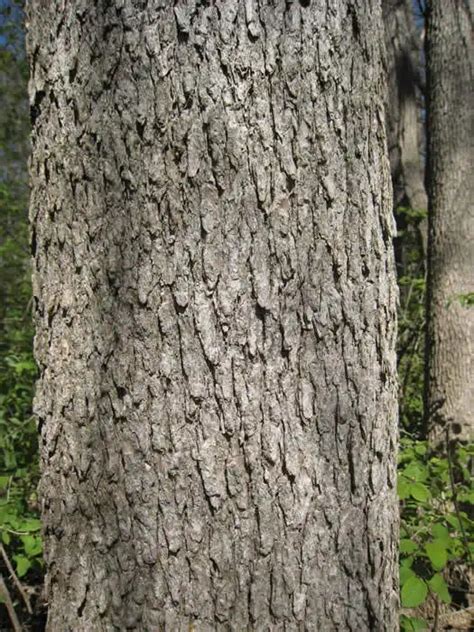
450	332
215	307
403	45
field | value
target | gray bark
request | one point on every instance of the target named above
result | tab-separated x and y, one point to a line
449	393
215	308
404	130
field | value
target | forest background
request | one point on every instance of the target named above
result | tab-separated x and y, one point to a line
435	485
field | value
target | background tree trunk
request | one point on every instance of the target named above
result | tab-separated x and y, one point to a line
405	76
403	45
215	307
449	396
404	129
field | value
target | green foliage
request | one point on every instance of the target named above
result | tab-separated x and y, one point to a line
19	530
414	591
435	531
19	524
411	319
434	489
412	624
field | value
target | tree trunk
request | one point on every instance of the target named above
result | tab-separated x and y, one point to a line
215	307
403	46
449	396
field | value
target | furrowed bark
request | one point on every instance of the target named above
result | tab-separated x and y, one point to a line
215	308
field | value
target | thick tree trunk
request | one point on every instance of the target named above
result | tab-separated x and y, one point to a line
215	306
450	333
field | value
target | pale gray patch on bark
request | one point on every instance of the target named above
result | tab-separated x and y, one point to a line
449	395
215	310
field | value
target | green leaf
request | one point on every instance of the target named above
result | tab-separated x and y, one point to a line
10	460
6	538
439	587
440	532
420	492
32	545
13	522
414	592
467	497
403	488
408	546
30	524
412	624
7	517
22	565
439	464
454	521
407	561
24	365
456	547
437	553
405	573
416	472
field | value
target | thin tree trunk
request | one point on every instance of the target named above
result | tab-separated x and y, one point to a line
449	396
403	45
215	308
404	129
